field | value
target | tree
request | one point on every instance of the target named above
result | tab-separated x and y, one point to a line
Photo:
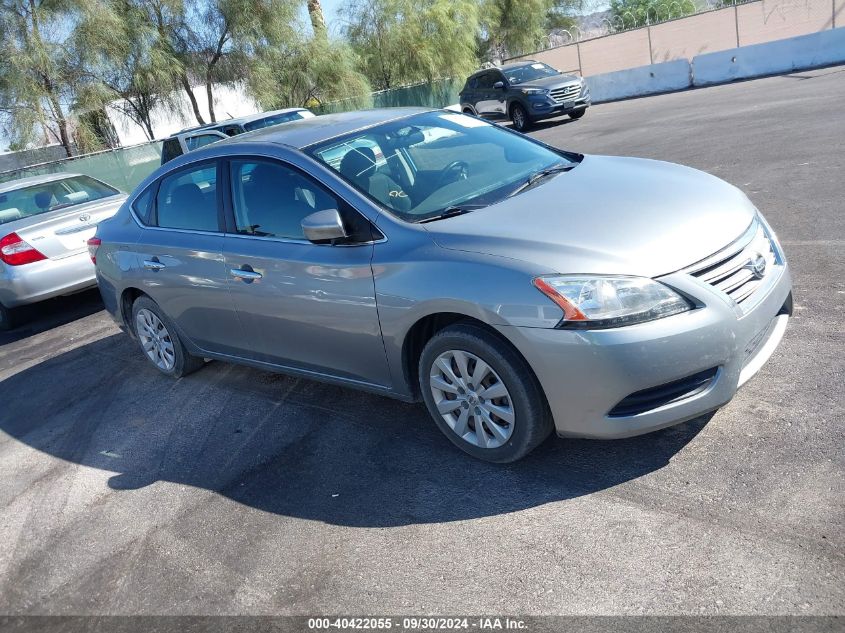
300	71
318	20
38	76
515	27
401	41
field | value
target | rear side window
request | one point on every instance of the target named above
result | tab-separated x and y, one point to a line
275	119
170	150
187	199
201	140
486	80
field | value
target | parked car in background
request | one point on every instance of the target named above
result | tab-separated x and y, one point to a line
45	222
524	92
193	138
513	287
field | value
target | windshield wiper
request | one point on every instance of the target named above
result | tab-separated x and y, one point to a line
450	212
539	175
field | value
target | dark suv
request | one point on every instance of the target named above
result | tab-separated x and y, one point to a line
524	92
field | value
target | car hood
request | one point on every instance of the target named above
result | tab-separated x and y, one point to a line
548	82
608	215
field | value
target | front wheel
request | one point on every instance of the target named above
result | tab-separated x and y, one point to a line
577	114
482	394
159	340
519	116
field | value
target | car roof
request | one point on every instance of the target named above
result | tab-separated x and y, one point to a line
238	120
519	64
305	132
34	180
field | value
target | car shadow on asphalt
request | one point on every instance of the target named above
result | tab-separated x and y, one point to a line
294	447
46	315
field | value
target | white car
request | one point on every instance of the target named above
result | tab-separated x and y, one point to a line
45	222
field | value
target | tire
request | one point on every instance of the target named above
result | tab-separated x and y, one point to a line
577	114
8	318
519	117
525	419
159	340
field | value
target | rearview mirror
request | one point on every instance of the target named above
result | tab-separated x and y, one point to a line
323	226
499	85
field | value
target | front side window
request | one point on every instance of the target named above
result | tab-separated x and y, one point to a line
420	166
531	72
51	196
187	199
270	199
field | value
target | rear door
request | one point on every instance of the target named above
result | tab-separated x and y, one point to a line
180	258
58	217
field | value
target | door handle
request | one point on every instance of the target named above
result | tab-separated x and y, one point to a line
151	264
246	275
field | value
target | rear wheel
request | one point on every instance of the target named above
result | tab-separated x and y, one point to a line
8	318
482	394
519	116
577	114
159	340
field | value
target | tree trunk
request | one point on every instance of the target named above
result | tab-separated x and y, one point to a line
210	98
192	98
318	22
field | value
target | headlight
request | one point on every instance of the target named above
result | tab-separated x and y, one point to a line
590	302
534	91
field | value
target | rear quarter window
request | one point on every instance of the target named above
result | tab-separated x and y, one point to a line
143	204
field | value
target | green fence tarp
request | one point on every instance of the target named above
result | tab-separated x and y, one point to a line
123	168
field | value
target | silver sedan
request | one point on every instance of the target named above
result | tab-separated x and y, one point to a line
513	287
45	222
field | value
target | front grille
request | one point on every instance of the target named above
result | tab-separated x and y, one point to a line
648	399
566	93
740	269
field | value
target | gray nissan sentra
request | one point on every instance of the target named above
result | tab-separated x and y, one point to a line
426	255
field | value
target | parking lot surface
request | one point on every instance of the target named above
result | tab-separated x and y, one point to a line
240	491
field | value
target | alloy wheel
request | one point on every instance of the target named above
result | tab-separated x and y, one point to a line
518	118
155	340
472	399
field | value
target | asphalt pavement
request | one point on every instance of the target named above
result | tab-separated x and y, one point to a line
239	491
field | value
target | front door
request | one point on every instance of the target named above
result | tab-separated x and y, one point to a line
302	305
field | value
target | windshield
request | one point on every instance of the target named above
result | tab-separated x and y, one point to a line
420	166
285	117
49	196
529	73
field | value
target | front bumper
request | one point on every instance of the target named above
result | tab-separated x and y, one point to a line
586	374
30	283
545	107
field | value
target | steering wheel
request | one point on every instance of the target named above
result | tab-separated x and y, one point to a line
454	171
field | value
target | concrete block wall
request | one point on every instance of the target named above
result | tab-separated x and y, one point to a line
769	58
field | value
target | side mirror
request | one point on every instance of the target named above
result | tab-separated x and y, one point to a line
323	226
499	85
